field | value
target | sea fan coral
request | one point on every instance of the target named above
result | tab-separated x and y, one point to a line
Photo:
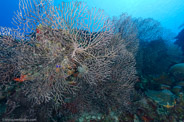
8	55
69	53
76	46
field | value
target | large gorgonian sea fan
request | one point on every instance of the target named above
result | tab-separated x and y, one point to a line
63	49
65	46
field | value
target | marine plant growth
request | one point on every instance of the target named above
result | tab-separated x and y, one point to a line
65	54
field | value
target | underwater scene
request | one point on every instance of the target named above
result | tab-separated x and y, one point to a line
92	61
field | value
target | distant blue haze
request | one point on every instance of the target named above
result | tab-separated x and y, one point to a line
169	12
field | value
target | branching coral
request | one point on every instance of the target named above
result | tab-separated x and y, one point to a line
8	55
67	52
67	48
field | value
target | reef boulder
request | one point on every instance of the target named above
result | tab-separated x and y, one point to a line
164	98
177	71
176	90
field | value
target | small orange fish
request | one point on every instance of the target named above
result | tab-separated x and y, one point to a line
21	79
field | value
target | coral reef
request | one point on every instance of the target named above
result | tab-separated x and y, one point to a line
149	42
71	63
65	65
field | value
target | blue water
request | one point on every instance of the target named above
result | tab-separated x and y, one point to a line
7	8
168	12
